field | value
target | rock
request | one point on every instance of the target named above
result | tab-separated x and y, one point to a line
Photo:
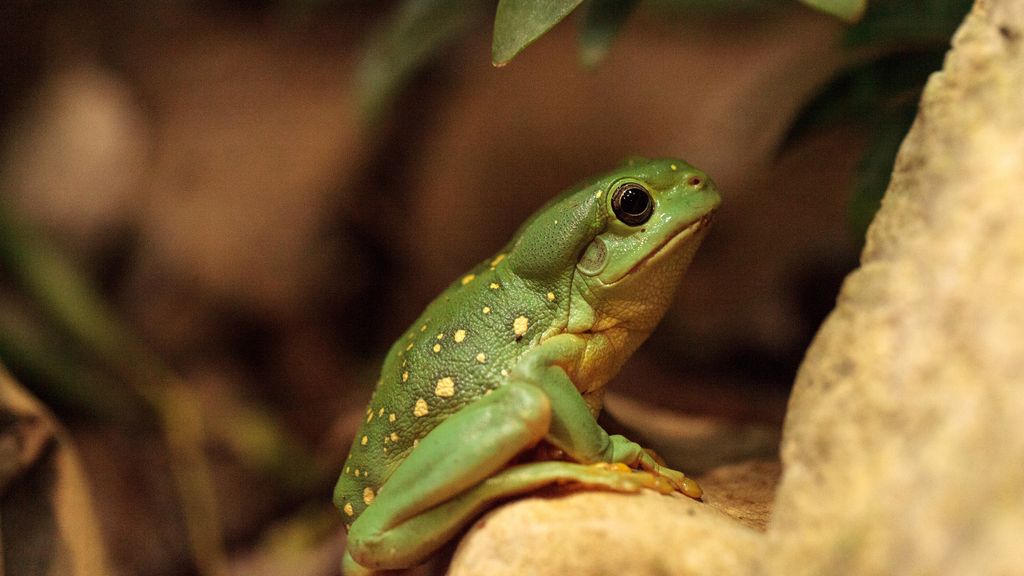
606	533
743	491
903	446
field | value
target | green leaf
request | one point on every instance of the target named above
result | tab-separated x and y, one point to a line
601	25
865	91
418	31
848	10
714	7
519	22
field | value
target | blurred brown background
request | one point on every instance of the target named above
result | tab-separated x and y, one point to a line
206	166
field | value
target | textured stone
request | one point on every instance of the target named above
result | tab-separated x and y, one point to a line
606	533
904	443
743	491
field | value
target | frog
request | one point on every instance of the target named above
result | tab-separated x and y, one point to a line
494	391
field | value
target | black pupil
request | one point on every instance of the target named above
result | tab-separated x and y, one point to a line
634	201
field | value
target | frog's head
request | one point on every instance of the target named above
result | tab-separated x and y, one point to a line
656	214
623	241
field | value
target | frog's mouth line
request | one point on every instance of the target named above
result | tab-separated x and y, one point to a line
665	246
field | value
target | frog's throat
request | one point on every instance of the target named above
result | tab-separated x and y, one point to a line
669	244
585	315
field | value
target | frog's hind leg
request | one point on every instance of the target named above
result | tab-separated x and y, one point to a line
467	447
433	527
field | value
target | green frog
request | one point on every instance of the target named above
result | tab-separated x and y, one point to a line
495	389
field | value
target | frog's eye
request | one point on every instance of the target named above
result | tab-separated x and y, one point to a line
632	204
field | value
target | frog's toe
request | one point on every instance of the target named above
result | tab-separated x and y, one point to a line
681	483
634	480
690	488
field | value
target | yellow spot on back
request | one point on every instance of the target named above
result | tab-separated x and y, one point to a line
445	387
520	325
598	193
423	328
494	286
468	278
394	437
497	259
416	442
437	347
460	335
368	495
364	440
369	416
440	336
481	357
348	509
409	347
356	473
504	372
348	469
674	167
421	408
551	296
391	417
405	376
487	310
381	412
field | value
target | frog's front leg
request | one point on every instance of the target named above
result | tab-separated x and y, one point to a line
573	428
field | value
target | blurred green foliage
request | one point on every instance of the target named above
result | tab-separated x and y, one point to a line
893	45
600	27
77	353
518	23
897	46
415	34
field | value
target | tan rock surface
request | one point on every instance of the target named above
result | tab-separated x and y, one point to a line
743	491
904	443
606	533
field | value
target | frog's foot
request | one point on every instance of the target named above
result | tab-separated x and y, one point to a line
628	453
643	479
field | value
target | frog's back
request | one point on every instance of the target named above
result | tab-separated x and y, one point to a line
461	347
